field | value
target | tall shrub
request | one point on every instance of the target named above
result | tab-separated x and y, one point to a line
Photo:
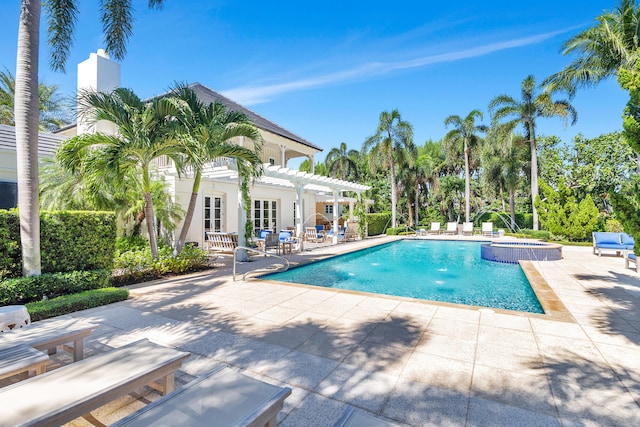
70	241
378	223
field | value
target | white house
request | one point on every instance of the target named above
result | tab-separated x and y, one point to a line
280	198
47	145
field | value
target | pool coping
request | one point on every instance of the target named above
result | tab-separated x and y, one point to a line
551	304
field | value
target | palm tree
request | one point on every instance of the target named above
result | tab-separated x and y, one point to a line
116	19
612	43
392	135
503	161
525	112
464	136
342	163
207	132
142	137
53	111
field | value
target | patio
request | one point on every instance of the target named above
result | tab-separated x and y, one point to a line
412	362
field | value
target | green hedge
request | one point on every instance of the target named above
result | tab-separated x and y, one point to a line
523	220
377	223
40	310
21	290
69	241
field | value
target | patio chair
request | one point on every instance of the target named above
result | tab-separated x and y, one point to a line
452	228
630	257
435	228
311	235
487	229
288	241
467	228
272	241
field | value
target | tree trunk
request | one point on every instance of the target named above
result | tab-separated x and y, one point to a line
417	203
467	184
189	215
512	209
410	212
151	229
149	216
393	192
534	178
26	120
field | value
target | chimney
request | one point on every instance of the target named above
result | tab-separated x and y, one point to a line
98	73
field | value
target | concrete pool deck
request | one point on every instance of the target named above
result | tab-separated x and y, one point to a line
411	362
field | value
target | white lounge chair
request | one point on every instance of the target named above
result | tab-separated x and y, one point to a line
66	393
435	228
452	228
487	229
221	397
467	228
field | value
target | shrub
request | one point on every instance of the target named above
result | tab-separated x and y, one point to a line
21	290
40	310
378	222
128	243
523	220
10	255
543	235
70	240
137	264
391	231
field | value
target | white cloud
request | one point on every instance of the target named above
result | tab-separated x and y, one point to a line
251	95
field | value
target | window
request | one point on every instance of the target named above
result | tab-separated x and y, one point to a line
272	161
265	214
8	195
328	209
213	213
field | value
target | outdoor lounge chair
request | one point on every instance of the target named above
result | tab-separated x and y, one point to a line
603	240
353	418
630	257
221	397
47	335
487	229
626	240
452	228
467	228
435	228
69	392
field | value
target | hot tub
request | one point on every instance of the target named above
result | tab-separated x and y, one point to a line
528	250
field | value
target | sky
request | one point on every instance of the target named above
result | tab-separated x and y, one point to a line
326	70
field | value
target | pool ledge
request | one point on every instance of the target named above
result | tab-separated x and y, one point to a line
551	304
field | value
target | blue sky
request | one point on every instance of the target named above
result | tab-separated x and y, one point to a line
326	70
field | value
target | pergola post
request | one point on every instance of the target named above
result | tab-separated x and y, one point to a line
299	213
336	226
242	222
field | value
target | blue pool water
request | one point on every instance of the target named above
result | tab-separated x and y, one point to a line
431	270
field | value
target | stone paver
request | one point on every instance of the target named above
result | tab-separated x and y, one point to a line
412	362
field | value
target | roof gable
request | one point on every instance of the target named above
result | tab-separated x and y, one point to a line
208	96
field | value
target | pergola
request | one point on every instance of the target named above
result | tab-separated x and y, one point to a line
287	178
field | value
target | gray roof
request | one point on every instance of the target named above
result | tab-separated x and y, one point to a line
47	142
207	96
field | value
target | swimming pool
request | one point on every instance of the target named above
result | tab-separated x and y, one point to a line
431	270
